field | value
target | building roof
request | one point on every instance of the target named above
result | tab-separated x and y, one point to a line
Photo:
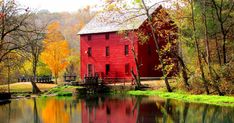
113	21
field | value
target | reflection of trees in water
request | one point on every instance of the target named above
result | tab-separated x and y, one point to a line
181	112
54	112
202	113
9	112
134	109
36	117
185	111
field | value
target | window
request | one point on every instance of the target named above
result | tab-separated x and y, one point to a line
126	50
107	35
89	51
89	37
107	51
90	69
127	68
107	69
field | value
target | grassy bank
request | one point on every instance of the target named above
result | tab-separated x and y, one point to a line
207	99
61	91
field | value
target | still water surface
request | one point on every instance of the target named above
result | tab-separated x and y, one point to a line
117	109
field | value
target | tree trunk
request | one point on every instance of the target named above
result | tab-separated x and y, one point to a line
218	50
182	65
8	75
198	50
56	79
224	49
157	47
208	50
216	43
184	71
136	77
35	89
221	19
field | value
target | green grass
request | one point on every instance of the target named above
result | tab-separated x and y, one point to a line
61	91
207	99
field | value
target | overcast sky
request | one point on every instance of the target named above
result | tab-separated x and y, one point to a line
58	5
63	5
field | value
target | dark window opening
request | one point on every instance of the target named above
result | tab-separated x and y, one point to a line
89	51
127	68
90	69
107	69
89	37
107	35
107	51
126	50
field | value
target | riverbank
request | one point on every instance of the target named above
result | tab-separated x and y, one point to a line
206	99
155	89
24	87
129	90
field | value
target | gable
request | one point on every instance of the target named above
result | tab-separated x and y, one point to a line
114	21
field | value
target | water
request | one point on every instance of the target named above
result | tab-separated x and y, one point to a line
115	109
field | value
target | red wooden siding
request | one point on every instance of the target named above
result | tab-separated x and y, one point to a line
108	49
116	59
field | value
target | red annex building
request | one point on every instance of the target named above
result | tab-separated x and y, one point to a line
107	53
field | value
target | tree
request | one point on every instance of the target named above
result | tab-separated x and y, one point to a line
131	37
197	47
13	21
223	10
34	48
16	26
157	30
56	50
212	72
155	38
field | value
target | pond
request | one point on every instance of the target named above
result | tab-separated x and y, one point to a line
111	109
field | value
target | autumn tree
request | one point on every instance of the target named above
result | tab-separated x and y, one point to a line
56	50
16	26
224	10
158	26
34	47
13	20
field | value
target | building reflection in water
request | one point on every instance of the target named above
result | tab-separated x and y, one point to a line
117	109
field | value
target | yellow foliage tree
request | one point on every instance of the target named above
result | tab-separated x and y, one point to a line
56	50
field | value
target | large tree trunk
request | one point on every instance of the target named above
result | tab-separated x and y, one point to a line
164	73
198	50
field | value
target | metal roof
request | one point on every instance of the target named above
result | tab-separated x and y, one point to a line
113	21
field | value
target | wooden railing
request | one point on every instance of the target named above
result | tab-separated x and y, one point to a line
38	79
